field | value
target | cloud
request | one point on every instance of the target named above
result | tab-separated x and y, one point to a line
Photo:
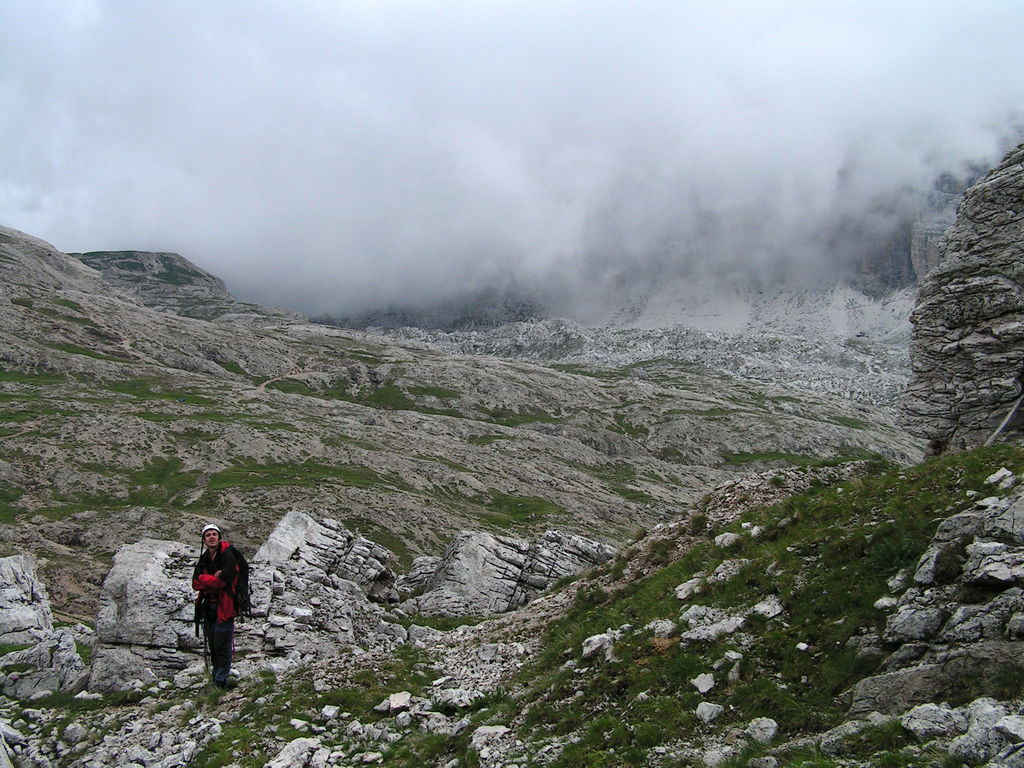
336	157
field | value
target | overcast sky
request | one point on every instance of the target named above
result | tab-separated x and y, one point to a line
333	155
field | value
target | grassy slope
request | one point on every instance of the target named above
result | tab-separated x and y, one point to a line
826	553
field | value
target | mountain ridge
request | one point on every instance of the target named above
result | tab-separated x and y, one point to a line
153	422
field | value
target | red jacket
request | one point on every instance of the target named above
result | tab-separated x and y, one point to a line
220	589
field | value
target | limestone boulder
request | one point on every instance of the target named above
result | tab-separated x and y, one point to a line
482	574
54	665
145	623
312	583
25	615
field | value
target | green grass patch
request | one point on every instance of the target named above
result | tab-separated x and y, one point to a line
796	459
34	379
148	389
8	497
503	510
305	474
232	367
6	648
74	349
846	421
388	397
603	374
378	534
160	483
626	427
508	418
827	563
17	419
365	356
176	273
439	392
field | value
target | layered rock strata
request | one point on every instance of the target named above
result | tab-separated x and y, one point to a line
481	574
317	588
967	350
311	586
49	660
25	614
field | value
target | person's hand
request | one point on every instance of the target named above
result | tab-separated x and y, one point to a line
216	575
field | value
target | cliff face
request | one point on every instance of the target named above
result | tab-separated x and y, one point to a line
967	348
172	284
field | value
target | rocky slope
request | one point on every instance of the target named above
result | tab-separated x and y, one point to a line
832	341
169	283
968	341
121	421
758	631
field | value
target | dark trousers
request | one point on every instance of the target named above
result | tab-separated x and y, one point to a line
220	638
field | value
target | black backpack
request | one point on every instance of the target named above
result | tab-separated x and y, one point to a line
243	589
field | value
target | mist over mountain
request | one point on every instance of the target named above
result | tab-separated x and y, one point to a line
701	276
348	160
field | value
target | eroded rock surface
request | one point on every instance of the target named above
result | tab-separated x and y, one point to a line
960	620
25	614
967	350
482	574
311	586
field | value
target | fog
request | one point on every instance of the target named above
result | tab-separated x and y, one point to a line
337	157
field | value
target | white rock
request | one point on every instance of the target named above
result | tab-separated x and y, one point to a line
886	603
603	643
703	682
74	733
399	702
991	502
997	477
486	734
707	712
662	628
25	615
1012	727
727	570
762	730
802	646
714	757
488	652
727	540
981	741
710	632
294	753
459	698
769	608
689	588
929	721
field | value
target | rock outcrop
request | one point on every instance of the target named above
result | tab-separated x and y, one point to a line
967	351
481	574
252	420
50	660
958	622
311	586
170	283
25	614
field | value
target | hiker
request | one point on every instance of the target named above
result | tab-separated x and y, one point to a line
215	578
